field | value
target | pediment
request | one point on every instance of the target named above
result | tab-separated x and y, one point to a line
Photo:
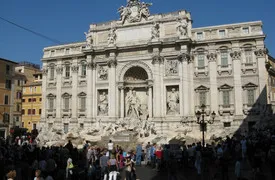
51	95
225	87
250	85
202	88
82	94
66	95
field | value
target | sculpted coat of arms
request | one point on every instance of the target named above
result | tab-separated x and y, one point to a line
134	11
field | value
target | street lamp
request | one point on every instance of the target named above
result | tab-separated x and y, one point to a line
202	122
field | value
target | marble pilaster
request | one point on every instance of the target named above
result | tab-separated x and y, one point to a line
122	114
90	67
74	70
59	72
191	87
112	86
212	60
44	89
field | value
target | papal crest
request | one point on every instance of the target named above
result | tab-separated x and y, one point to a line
134	11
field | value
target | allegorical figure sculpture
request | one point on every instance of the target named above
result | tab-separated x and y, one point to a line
182	27
173	101
133	104
89	39
103	104
155	31
124	12
112	36
102	73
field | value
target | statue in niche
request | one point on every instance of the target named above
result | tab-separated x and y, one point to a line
112	36
182	27
172	67
102	73
155	31
89	39
173	101
132	104
103	104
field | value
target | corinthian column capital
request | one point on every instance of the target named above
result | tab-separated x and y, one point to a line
212	57
236	55
261	52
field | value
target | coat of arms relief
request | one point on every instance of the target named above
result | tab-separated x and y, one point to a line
134	11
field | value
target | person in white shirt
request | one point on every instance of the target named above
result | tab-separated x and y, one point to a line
110	147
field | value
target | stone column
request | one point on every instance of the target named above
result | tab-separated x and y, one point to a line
121	88
94	92
150	99
44	95
191	87
162	88
74	104
212	59
59	70
238	101
184	58
112	86
90	66
157	85
263	75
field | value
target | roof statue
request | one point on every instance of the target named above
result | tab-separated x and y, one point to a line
134	11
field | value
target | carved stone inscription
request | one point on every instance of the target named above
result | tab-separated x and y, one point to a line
173	100
102	102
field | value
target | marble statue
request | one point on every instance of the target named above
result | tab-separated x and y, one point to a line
103	104
132	104
112	36
173	102
89	39
155	31
144	11
124	13
102	73
182	27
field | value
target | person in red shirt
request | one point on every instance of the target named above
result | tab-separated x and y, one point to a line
158	154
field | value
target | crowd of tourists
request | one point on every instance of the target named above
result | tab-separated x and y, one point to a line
22	159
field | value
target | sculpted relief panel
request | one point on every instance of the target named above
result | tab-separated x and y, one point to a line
171	67
102	102
173	100
102	73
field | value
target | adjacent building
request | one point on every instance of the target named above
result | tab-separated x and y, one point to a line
6	95
159	69
270	65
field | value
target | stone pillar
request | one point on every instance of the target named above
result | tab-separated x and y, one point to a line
121	88
89	99
94	92
238	99
212	59
263	75
184	58
150	99
44	95
191	87
162	88
112	85
74	104
59	70
156	60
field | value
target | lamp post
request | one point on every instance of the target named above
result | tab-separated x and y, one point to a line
202	122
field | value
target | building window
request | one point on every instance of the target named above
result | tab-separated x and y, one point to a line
33	99
51	100
83	103
51	73
202	96
200	61
227	124
66	128
8	84
29	111
40	99
66	103
23	100
67	51
226	98
248	57
17	118
250	97
81	125
18	83
67	71
18	95
23	124
8	69
199	35
31	89
34	126
33	111
17	107
34	89
83	69
6	100
23	111
246	30
224	58
29	100
222	33
40	110
52	53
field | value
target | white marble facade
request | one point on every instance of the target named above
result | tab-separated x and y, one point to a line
156	68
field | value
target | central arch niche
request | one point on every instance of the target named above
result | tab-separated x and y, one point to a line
135	73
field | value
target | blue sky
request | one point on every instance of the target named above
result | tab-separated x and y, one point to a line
67	20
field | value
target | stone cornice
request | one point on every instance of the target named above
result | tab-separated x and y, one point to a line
236	55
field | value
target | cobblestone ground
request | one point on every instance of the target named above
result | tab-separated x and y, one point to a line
147	173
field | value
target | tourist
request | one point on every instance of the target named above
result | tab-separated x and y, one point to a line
69	168
113	167
103	162
158	158
271	157
244	147
238	168
138	154
110	147
11	175
172	167
128	169
198	160
38	175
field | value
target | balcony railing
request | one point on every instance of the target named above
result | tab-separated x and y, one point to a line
81	112
66	112
51	112
226	108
